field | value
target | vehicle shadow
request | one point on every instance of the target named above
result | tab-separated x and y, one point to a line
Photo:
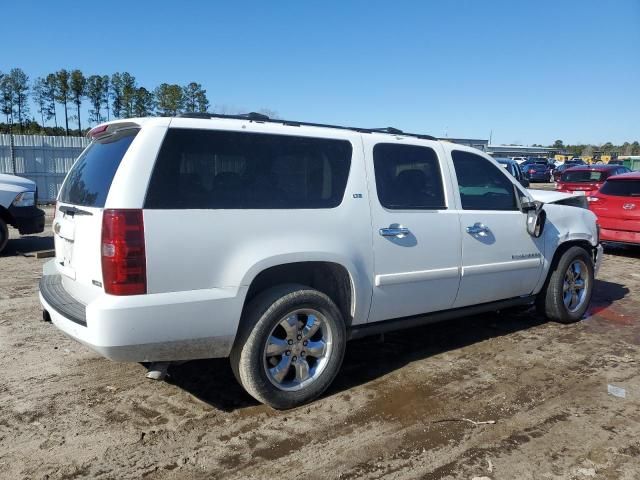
367	359
26	245
605	294
370	358
622	250
213	382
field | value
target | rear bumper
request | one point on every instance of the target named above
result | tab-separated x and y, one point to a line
146	328
27	220
622	236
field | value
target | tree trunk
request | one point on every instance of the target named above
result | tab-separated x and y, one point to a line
79	126
20	116
66	119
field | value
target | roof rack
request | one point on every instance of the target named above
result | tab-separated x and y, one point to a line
261	118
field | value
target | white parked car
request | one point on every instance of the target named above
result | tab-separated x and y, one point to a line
274	242
18	198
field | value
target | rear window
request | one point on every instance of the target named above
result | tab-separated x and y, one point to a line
621	188
209	169
89	180
578	176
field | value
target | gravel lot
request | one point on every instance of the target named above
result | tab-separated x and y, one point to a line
395	411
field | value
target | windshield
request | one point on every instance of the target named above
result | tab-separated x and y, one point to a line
582	176
621	188
89	180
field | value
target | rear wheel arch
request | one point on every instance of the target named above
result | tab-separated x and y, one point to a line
331	278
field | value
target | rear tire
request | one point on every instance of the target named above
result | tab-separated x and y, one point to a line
290	346
4	235
567	292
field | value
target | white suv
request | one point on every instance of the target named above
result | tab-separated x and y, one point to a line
274	242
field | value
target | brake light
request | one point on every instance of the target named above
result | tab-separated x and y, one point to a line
124	263
97	131
532	170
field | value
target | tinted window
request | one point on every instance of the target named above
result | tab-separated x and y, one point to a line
207	169
408	177
89	180
482	185
581	176
621	188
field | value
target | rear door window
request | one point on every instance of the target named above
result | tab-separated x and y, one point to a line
581	176
482	185
210	169
408	177
89	180
621	188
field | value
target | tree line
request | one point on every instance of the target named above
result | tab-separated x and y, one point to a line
108	97
607	148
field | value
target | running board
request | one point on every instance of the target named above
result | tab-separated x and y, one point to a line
376	328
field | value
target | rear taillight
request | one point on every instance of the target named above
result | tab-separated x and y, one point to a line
531	171
124	264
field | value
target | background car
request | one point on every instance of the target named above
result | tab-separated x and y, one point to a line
537	168
560	170
587	178
617	206
514	169
519	160
575	161
615	162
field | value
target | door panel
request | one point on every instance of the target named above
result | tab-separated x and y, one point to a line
500	259
504	262
416	237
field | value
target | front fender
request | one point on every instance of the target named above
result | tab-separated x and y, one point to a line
565	225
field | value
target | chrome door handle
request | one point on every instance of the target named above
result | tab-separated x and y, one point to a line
478	229
394	232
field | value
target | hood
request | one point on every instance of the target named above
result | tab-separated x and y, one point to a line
16	181
573	199
551	196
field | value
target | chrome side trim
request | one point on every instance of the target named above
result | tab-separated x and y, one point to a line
501	267
419	276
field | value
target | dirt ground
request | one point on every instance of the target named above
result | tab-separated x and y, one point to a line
395	411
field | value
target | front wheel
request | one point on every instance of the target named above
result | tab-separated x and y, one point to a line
290	346
567	292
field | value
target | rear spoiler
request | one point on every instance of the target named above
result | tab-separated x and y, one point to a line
107	129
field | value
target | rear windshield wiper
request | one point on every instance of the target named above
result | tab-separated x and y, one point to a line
73	211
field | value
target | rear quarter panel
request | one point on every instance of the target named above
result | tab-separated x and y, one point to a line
227	248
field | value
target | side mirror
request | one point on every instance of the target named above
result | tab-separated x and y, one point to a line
536	218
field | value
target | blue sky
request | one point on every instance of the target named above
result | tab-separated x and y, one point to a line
530	71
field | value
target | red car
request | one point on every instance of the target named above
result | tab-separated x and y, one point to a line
617	206
587	179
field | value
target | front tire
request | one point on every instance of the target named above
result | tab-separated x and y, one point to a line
290	346
566	295
4	235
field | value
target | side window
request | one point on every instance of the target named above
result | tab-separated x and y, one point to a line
210	169
408	177
482	186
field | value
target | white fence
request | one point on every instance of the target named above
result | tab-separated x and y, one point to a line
45	160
